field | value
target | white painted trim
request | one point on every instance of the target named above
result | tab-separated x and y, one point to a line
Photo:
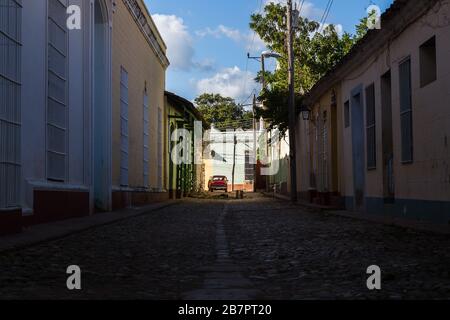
128	189
48	185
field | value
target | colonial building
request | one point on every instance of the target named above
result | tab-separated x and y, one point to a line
63	99
139	64
230	153
380	120
183	177
318	156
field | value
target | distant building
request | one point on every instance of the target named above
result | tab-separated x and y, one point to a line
378	137
220	156
278	155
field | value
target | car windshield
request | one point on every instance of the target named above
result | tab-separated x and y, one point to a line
219	178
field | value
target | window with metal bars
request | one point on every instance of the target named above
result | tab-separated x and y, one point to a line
249	167
371	128
406	111
160	150
347	114
57	115
146	140
124	134
10	110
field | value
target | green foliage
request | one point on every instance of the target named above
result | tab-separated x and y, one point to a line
223	112
361	29
275	108
317	50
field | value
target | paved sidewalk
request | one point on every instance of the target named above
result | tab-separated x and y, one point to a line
382	219
61	229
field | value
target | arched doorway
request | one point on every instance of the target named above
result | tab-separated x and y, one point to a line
101	125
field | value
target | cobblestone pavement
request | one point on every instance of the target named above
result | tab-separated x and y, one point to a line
290	254
258	247
154	256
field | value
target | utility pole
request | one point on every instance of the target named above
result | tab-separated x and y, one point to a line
234	159
255	156
292	111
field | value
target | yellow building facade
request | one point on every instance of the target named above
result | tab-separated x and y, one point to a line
386	150
139	64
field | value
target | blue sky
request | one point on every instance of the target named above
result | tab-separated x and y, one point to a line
208	40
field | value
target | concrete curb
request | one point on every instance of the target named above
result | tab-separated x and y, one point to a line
61	229
421	226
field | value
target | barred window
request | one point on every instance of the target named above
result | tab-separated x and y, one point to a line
124	135
10	110
249	167
57	91
371	127
160	149
146	140
347	114
406	111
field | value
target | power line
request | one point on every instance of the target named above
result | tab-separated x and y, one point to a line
249	97
325	16
261	2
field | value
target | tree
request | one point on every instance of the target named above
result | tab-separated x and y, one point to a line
317	49
223	112
361	29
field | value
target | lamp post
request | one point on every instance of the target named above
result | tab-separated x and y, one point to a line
264	55
292	20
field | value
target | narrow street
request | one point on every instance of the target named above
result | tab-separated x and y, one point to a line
256	248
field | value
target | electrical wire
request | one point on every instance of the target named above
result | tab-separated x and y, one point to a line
325	16
261	2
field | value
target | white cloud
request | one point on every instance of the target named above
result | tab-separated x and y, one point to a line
250	40
180	48
230	82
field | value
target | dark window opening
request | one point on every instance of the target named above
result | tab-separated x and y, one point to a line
371	127
428	64
406	111
347	114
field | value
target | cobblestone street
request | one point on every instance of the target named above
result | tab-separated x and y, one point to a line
252	248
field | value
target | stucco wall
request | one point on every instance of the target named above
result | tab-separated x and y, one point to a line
132	52
428	176
422	187
34	103
309	135
222	165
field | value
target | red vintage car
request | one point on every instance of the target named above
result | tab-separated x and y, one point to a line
218	183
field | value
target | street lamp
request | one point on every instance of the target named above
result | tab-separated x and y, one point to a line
306	113
264	55
269	54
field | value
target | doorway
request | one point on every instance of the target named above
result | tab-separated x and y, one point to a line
387	140
357	115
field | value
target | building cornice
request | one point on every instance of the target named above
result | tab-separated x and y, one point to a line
145	24
394	21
